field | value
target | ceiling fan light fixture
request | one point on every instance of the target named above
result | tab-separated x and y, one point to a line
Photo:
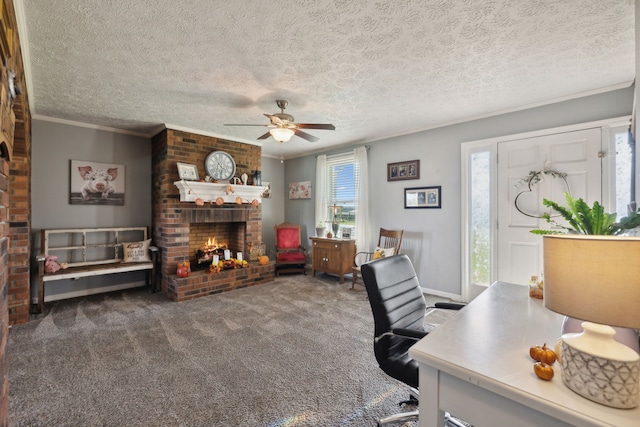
281	134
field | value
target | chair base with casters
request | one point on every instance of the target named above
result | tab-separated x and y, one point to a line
398	308
389	243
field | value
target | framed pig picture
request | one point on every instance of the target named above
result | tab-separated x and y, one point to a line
94	183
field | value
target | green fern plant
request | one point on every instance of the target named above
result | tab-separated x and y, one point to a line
587	220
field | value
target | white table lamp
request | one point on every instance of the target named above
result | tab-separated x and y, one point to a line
596	279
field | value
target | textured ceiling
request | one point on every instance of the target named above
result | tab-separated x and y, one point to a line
374	69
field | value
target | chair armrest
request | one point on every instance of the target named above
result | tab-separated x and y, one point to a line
364	256
450	305
410	333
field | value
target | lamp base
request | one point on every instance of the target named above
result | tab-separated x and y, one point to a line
626	336
599	368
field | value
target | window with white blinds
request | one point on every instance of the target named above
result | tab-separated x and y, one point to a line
342	181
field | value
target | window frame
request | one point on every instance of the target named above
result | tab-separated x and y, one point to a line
333	161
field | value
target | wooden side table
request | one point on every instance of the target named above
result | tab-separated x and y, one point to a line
333	256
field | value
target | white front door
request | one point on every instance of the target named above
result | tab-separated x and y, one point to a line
519	204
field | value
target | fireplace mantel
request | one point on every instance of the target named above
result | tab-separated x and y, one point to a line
209	192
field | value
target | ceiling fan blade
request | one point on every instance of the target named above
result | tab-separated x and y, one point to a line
315	126
242	124
265	136
305	135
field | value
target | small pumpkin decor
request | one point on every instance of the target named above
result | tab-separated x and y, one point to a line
263	260
542	354
184	269
544	357
543	371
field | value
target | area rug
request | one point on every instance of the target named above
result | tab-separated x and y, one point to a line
295	352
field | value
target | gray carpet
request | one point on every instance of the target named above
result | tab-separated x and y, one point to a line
296	352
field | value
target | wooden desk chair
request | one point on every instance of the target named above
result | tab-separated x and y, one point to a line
290	256
389	244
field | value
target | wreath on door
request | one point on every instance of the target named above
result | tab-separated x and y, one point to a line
534	178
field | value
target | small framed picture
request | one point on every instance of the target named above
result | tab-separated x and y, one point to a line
267	191
422	197
346	233
403	170
300	190
187	172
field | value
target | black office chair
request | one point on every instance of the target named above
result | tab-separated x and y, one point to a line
398	307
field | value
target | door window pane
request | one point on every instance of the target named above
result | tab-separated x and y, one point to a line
624	173
480	218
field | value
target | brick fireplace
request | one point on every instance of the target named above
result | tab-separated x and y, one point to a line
179	228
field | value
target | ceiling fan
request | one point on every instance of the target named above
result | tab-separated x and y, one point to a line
283	126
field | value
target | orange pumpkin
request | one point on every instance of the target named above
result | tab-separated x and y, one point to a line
543	371
184	269
542	354
263	260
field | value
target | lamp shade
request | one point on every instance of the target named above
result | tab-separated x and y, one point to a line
281	134
593	278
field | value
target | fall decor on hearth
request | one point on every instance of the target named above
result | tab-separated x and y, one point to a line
227	264
184	269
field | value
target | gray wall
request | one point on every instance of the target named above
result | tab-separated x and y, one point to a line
273	208
55	144
433	235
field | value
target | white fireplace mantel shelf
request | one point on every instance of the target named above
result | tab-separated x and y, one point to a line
209	192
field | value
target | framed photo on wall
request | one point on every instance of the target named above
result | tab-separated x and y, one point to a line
422	197
300	190
267	192
403	170
94	183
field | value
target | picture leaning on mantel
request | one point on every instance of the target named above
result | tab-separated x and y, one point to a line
422	197
187	171
403	170
94	183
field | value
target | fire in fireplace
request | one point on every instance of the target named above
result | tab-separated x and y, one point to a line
209	239
206	252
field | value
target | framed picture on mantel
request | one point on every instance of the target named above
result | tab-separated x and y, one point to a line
403	170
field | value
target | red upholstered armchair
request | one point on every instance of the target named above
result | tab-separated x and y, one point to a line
290	257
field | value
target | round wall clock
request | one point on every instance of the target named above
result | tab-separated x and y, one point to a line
220	165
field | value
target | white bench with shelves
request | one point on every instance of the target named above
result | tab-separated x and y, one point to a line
87	252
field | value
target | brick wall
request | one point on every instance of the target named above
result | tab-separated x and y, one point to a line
15	211
172	219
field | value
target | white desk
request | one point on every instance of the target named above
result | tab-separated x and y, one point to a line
476	366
